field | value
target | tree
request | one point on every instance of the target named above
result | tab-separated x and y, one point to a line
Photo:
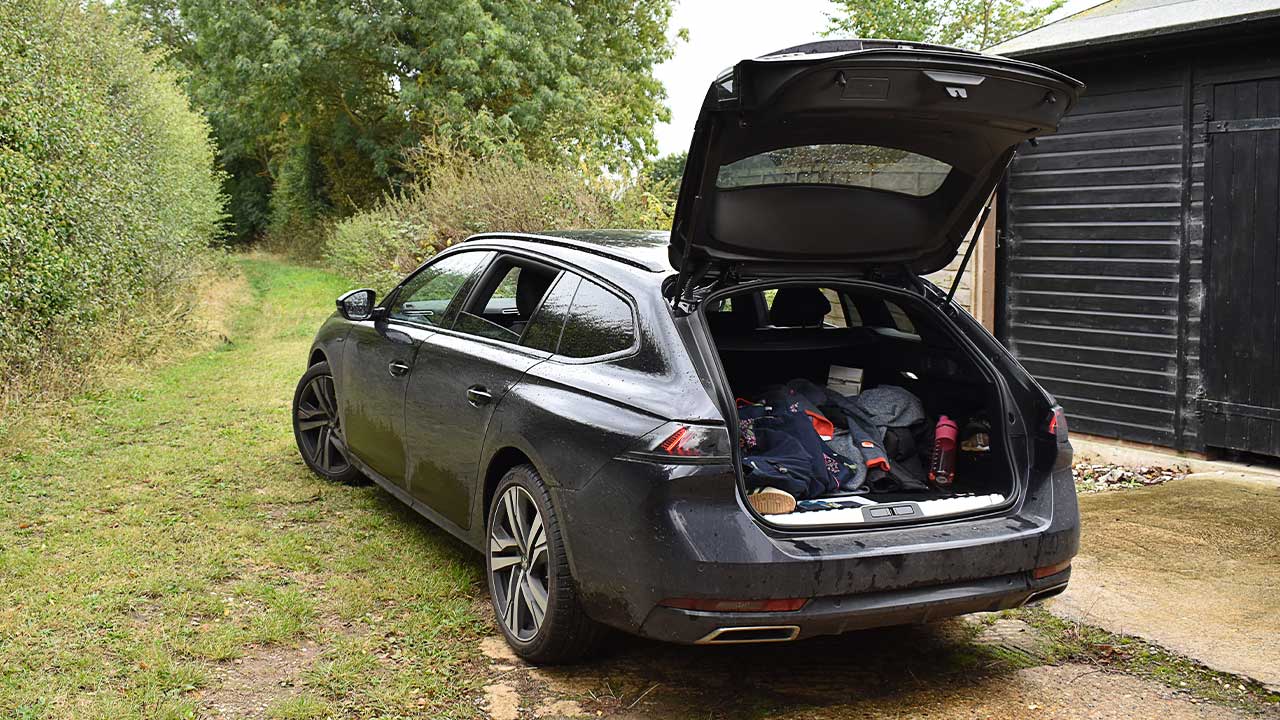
972	24
669	168
319	100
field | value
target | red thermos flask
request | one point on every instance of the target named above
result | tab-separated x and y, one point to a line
942	470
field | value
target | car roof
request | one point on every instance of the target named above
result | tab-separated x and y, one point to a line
640	249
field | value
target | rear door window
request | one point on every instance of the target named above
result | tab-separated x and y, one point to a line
505	299
599	323
543	330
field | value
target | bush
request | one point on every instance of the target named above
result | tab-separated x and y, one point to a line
108	197
455	195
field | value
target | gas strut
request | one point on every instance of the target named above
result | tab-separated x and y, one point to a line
973	242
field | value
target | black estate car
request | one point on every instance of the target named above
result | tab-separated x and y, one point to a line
761	426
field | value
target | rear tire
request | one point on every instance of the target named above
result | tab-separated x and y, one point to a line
534	596
317	427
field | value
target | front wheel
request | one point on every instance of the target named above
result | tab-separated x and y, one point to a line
533	593
317	428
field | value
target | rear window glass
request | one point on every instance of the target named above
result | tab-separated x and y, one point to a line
806	309
867	166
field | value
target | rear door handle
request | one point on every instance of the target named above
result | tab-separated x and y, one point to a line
477	395
398	368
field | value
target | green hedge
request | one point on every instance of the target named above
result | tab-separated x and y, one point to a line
108	192
456	194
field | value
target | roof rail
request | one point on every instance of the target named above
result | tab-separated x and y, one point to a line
579	245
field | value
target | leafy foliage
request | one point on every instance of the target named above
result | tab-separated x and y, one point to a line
669	168
973	24
107	186
322	98
455	194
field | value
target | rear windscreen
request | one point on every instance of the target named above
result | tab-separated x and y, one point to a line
868	166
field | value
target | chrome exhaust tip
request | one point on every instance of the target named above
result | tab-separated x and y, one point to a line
1044	594
750	634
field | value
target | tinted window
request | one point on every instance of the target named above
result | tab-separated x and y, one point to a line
840	315
867	166
426	297
505	299
599	323
543	331
901	320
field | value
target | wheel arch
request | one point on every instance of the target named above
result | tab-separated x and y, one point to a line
503	460
317	356
514	452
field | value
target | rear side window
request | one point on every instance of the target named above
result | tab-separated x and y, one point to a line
543	331
867	166
901	320
599	323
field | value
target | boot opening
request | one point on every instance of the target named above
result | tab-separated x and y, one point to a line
846	397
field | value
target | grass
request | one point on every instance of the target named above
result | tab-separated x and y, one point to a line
156	532
165	554
1067	641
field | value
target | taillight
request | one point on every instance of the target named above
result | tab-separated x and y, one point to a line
1058	424
675	443
684	442
705	605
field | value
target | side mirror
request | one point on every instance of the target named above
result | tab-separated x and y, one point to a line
357	304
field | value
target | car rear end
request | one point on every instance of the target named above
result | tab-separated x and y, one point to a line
857	167
664	543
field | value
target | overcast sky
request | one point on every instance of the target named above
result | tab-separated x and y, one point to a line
722	32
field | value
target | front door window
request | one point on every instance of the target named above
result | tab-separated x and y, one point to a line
427	296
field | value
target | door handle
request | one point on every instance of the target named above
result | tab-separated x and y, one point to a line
477	395
398	368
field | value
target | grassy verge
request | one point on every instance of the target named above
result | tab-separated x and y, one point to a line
165	554
1067	641
162	548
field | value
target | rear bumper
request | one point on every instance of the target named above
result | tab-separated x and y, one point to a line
835	615
638	534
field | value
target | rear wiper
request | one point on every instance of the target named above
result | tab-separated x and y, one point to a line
968	253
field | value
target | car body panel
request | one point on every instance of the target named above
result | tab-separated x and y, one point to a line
444	428
688	536
371	399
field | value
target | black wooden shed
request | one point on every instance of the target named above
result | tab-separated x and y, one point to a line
1138	272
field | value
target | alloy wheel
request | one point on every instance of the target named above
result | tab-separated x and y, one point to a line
518	568
320	428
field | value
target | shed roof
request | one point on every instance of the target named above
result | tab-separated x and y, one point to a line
1119	21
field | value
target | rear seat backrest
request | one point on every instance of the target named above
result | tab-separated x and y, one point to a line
799	307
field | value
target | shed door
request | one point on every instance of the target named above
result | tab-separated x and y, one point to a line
1240	350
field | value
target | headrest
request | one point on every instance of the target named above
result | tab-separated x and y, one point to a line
799	307
531	285
741	317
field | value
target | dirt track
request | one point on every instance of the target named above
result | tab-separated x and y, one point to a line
955	669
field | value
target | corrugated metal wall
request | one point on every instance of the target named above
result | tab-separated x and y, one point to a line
1095	253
